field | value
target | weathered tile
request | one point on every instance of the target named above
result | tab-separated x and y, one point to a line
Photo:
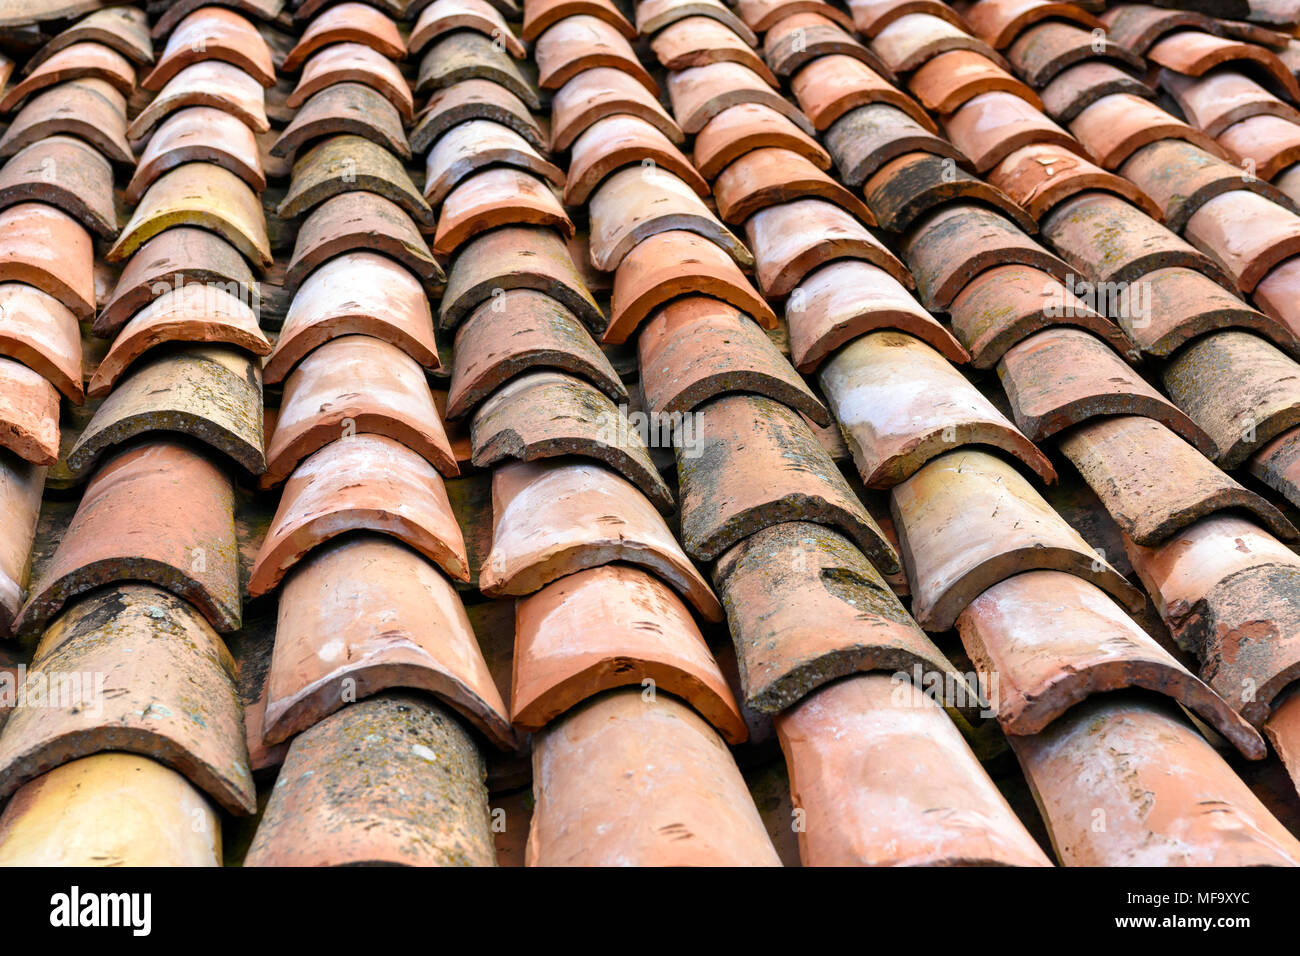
213	33
163	687
394	780
172	258
516	257
1077	87
653	15
1263	145
1137	25
66	173
211	393
493	198
913	39
948	80
1185	304
770	175
354	385
206	83
464	55
124	29
353	63
1246	234
353	223
110	809
1215	101
1055	640
1166	797
87	109
443	16
696	348
42	333
701	40
1275	465
580	43
1004	305
349	162
967	520
831	86
192	313
702	92
641	201
599	807
473	99
867	137
197	134
747	126
1193	52
1041	52
884	778
177	10
906	188
29	414
899	404
77	62
1111	241
476	144
156	512
203	195
763	15
1227	591
947	248
364	482
554	518
21	485
838	302
1063	376
617	141
528	330
362	615
753	464
548	414
44	247
1239	388
397	9
675	263
798	39
1042	176
545	13
1116	126
345	108
991	126
873	16
999	22
347	23
610	627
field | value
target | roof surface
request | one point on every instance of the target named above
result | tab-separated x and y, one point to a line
573	433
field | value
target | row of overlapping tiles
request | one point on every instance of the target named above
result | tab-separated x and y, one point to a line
581	542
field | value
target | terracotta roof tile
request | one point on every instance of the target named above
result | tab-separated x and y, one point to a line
87	109
1246	234
368	610
21	485
176	11
443	16
1044	50
1264	145
123	28
769	175
106	809
211	393
352	385
873	16
763	15
541	14
530	330
1215	101
748	126
915	38
470	146
906	188
622	140
548	414
197	134
801	37
1140	753
1114	127
494	198
1185	304
350	23
609	627
653	15
42	333
1063	376
702	92
1077	87
1043	175
605	91
206	83
473	99
356	222
830	86
696	811
29	414
212	33
696	348
345	108
580	43
425	802
1055	640
353	63
349	162
67	173
79	61
555	518
865	138
466	54
701	40
950	79
1138	25
838	302
991	126
1193	52
885	779
192	313
1006	528
45	247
